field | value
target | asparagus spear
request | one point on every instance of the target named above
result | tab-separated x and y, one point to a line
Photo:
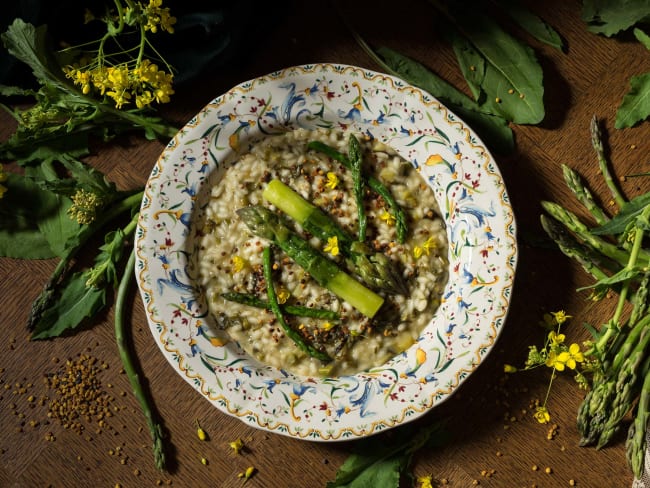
635	445
583	194
572	248
356	161
130	367
375	269
297	310
626	387
597	143
573	223
275	307
264	223
371	182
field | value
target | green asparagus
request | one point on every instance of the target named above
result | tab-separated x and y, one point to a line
635	445
374	268
294	335
266	224
356	162
583	194
155	426
401	221
614	252
296	310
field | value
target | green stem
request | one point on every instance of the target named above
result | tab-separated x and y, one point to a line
622	298
143	38
155	428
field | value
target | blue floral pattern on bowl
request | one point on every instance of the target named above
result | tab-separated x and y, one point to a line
479	222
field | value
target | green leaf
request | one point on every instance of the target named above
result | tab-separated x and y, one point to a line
610	17
494	130
104	272
379	464
628	212
29	44
21	207
625	274
56	225
502	70
635	106
532	23
83	176
11	91
361	471
642	37
76	303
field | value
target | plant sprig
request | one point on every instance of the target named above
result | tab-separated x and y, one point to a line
615	364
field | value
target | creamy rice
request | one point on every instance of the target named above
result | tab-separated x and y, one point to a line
230	256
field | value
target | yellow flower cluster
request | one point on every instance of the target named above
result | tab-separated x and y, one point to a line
332	246
157	16
3	178
144	84
555	354
84	206
332	180
426	248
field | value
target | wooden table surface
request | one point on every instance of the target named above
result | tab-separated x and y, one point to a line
494	441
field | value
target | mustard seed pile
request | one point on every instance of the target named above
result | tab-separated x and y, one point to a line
78	394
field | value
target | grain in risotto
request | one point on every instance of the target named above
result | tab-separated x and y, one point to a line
230	257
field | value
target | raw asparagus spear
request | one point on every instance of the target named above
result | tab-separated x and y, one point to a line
294	335
296	310
373	183
375	269
264	223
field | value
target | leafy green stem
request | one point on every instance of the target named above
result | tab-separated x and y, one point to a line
622	299
47	295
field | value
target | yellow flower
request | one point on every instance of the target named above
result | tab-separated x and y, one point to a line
327	326
236	446
429	244
250	471
555	338
573	355
388	218
557	361
425	481
509	368
158	16
417	252
332	246
560	317
238	264
542	415
84	206
332	180
283	295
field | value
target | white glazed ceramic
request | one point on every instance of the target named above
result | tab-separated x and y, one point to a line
473	201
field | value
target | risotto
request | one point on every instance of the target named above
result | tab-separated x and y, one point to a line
229	255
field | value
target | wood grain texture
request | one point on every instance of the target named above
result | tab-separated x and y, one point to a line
489	417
